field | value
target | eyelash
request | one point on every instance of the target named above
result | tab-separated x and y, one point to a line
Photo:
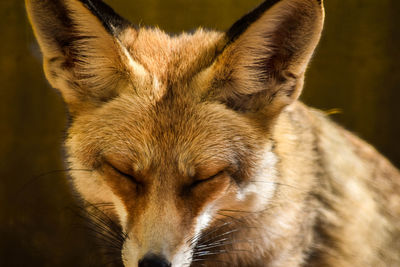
198	182
128	176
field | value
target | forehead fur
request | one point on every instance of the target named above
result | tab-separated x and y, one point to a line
177	127
171	131
172	59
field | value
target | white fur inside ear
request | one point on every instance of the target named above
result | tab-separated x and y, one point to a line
137	69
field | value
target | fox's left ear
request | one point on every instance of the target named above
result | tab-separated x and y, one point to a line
266	54
82	55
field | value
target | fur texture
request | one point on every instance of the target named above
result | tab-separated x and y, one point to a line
201	148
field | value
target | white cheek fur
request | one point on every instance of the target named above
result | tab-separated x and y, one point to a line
263	183
203	221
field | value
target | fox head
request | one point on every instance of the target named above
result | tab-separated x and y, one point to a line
175	131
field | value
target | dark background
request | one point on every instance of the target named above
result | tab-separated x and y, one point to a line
356	68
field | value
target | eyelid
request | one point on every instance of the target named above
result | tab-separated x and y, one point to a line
216	175
199	181
115	169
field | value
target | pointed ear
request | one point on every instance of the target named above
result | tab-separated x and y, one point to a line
262	65
82	55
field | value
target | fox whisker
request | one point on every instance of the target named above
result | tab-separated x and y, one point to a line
34	179
277	183
194	239
211	260
204	243
102	228
203	147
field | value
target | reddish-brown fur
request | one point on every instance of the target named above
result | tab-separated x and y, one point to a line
200	145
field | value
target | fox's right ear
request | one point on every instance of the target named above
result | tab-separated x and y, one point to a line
262	66
83	56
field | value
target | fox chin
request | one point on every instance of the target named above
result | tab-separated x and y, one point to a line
193	150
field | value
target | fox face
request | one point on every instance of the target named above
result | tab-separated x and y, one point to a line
170	178
176	133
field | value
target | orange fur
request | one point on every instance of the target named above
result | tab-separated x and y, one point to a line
200	145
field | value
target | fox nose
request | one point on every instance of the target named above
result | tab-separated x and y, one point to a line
153	260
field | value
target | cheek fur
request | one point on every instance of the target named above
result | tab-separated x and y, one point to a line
93	189
262	184
203	220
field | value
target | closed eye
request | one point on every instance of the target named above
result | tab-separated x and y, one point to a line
118	172
201	181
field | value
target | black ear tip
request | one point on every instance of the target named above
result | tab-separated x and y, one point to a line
243	23
110	19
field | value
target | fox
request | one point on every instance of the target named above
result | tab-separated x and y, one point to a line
197	151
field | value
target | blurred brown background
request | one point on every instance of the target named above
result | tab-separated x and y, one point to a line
356	68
